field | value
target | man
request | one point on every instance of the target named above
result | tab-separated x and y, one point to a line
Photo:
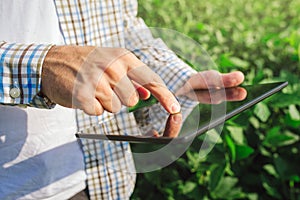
95	56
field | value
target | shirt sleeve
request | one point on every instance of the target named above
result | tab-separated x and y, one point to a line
153	51
20	74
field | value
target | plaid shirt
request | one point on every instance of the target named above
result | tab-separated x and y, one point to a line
113	23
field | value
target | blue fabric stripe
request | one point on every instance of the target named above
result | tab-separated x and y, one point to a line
102	21
81	35
107	188
30	85
2	85
110	146
88	27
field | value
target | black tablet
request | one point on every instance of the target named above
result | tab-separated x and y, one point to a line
202	110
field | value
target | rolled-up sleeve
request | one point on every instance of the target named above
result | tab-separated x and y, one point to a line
20	73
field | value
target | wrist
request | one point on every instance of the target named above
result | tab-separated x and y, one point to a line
60	69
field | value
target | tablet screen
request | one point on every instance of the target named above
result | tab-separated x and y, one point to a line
201	111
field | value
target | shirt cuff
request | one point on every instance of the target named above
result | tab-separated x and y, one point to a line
20	70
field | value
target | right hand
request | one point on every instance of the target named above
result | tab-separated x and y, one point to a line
97	79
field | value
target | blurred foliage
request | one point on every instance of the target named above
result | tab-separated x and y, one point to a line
258	156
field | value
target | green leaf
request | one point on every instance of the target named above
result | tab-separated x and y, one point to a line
299	52
270	169
226	189
284	100
286	168
243	151
273	131
252	196
271	190
187	187
259	76
216	155
265	152
262	111
220	38
294	113
216	173
153	177
213	137
239	62
290	122
295	178
169	192
294	39
224	61
270	185
275	138
194	160
231	147
200	26
255	123
292	78
237	134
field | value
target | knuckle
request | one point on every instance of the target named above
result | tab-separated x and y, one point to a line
93	109
99	112
111	109
96	112
115	109
110	102
157	78
115	73
215	101
80	100
123	54
156	84
104	93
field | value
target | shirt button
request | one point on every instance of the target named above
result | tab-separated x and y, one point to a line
14	92
125	23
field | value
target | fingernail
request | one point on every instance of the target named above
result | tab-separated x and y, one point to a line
176	118
234	82
175	108
236	93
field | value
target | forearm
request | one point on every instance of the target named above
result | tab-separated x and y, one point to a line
20	73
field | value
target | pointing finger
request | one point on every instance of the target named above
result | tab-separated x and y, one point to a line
144	76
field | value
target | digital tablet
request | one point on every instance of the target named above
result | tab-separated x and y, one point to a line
202	110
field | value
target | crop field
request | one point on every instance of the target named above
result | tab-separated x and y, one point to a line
258	154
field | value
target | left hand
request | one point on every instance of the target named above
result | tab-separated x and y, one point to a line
211	79
203	81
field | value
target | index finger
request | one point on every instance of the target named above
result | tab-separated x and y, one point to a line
173	125
151	81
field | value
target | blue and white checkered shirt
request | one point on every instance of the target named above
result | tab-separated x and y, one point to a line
111	23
